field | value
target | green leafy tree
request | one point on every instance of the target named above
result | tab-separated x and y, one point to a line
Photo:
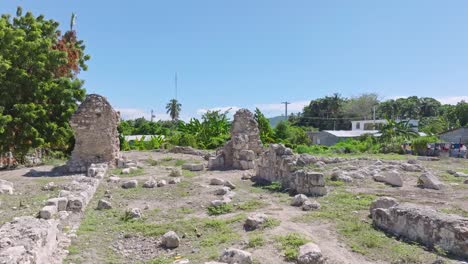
266	132
173	108
39	90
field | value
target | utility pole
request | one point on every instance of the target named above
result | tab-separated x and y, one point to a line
286	109
152	115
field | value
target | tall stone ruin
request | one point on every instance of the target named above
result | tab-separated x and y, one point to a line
96	136
244	147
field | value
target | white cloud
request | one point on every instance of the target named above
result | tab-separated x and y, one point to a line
452	99
133	113
232	109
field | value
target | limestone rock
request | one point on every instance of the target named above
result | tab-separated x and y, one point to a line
126	171
162	183
393	178
130	184
170	240
429	181
6	187
424	225
104	205
310	253
216	181
151	183
460	174
135	213
75	203
48	211
246	176
299	200
175	172
49	186
60	203
255	221
310	205
113	179
410	167
174	181
229	184
383	202
236	256
222	191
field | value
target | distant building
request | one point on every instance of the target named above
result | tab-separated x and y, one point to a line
358	128
132	138
457	135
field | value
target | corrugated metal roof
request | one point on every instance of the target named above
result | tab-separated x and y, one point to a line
350	133
138	137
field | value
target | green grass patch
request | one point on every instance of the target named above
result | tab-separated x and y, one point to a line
348	212
251	205
256	241
290	244
160	260
180	162
270	223
189	174
455	210
152	162
220	209
448	178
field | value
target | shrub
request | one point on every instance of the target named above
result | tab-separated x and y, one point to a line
419	144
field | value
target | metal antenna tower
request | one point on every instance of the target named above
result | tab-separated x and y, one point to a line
286	109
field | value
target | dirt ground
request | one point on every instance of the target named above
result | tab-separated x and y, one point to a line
341	227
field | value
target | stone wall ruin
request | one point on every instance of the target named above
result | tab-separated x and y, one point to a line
244	147
279	164
96	136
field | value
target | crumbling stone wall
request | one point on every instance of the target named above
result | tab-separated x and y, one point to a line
280	164
96	136
244	147
422	224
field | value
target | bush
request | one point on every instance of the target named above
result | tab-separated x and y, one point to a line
419	144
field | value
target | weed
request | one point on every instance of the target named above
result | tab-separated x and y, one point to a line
255	241
455	210
290	244
180	162
270	223
152	162
251	205
220	209
189	174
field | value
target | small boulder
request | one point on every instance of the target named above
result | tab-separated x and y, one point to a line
217	203
246	176
393	178
174	181
170	240
48	211
134	213
6	187
151	183
126	171
130	184
162	183
460	174
175	172
310	253
216	181
49	186
429	181
229	184
310	205
113	179
254	221
222	191
465	182
451	172
104	205
60	203
299	200
236	256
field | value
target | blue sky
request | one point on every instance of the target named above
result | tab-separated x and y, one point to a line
248	53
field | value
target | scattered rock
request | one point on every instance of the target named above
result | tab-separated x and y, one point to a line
6	187
222	191
310	205
217	203
126	171
236	256
310	253
193	167
429	181
134	213
410	167
254	221
451	172
299	200
162	183
465	182
151	183
460	174
246	176
60	203
130	184
393	178
113	179
229	184
175	172
103	205
174	181
170	240
216	181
